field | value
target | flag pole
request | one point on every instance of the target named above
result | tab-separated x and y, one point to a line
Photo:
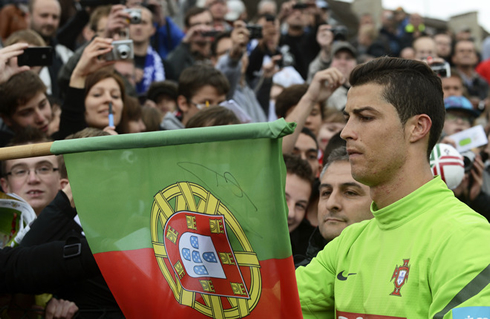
28	150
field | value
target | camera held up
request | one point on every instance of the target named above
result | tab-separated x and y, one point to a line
122	50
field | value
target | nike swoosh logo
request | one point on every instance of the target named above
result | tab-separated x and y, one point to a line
340	276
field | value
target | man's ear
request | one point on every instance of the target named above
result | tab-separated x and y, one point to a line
182	103
63	182
5	185
419	127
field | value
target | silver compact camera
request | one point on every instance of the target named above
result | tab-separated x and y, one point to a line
443	70
122	50
134	15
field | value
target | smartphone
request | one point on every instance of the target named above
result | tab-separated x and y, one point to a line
36	56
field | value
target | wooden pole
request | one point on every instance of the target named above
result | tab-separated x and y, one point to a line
28	150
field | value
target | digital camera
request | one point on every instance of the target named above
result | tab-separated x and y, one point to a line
468	159
134	15
122	50
442	69
339	33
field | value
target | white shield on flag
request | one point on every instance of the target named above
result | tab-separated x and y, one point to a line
199	256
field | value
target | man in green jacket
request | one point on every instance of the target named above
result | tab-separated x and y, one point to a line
424	254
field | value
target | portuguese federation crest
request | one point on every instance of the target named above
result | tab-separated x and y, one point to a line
190	233
401	276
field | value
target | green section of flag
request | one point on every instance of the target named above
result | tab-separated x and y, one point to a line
114	189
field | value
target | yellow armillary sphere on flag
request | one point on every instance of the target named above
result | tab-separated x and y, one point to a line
192	247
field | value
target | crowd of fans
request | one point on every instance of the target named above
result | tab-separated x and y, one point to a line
203	63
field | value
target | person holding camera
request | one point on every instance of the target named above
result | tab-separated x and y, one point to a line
196	45
461	116
95	92
324	37
149	65
300	40
115	26
233	65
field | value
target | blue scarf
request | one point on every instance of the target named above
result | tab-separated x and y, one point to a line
152	72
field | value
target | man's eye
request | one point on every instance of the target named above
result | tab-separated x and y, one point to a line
301	206
312	157
325	193
365	118
43	169
25	113
19	172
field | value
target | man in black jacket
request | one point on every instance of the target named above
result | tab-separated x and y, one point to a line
56	263
343	201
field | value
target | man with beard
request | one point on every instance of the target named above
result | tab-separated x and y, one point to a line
44	17
195	46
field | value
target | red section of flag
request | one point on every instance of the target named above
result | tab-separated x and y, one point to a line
145	293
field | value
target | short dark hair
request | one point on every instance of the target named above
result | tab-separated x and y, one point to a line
193	11
410	86
161	89
288	98
338	154
195	77
18	90
297	166
213	116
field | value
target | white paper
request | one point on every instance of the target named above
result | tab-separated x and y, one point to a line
470	138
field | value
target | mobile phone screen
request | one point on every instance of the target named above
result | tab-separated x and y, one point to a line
36	56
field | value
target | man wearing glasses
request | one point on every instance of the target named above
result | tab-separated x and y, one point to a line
200	86
37	179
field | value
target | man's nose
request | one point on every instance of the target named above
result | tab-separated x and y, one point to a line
334	202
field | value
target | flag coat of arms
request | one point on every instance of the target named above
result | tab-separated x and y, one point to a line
189	223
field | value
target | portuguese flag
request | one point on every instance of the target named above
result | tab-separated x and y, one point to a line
189	223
